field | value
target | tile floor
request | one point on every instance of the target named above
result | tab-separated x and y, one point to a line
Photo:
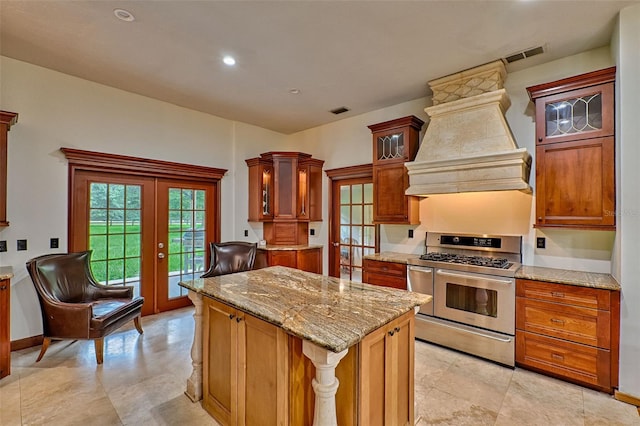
143	379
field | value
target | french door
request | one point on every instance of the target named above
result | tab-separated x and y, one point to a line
150	233
353	233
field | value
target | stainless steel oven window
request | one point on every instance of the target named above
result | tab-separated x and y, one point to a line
479	301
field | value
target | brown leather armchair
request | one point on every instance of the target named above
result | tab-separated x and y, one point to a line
230	257
74	305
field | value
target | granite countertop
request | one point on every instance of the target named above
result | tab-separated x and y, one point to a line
294	247
565	276
391	256
6	272
330	312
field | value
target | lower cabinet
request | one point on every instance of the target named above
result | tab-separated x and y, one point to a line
570	332
244	380
309	260
5	329
386	380
256	374
388	274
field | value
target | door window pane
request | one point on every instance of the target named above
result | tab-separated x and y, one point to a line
187	231
114	233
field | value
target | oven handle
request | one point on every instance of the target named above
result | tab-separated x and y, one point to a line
466	277
478	333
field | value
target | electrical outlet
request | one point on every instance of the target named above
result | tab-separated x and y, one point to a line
54	243
312	231
246	232
410	233
541	242
3	245
21	245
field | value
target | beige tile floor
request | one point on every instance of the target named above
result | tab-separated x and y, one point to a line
143	379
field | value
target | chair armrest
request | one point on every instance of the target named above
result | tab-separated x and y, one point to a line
69	320
111	292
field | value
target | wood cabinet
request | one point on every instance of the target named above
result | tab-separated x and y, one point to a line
5	328
568	331
7	119
245	369
394	143
305	259
386	383
575	156
388	274
256	374
285	192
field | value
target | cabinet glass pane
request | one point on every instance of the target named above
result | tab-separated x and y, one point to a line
576	115
390	146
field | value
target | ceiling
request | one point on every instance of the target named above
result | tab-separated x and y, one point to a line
363	55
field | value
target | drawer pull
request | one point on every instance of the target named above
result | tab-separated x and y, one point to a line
557	294
557	357
557	321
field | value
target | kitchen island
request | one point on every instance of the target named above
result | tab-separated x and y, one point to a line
269	344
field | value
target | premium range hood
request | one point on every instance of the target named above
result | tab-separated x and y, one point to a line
468	145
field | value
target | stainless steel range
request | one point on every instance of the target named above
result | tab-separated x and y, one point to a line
471	279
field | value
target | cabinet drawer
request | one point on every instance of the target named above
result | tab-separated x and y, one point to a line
573	361
565	294
573	323
385	280
386	268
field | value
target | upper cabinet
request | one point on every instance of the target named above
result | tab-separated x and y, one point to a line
7	119
575	157
285	192
394	143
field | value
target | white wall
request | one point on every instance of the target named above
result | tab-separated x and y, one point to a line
626	42
56	110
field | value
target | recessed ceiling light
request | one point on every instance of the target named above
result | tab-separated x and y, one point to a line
229	60
294	91
124	15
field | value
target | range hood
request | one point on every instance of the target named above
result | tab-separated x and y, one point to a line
468	145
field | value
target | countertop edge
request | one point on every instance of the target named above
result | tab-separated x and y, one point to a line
6	272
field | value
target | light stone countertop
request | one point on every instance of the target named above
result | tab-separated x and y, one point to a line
565	276
330	312
269	247
6	272
392	256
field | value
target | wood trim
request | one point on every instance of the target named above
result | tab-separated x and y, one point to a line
410	120
9	118
629	399
27	342
350	172
605	75
91	160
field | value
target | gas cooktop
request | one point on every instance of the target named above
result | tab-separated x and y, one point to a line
486	261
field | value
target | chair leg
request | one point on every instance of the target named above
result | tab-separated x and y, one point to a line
45	345
138	324
99	345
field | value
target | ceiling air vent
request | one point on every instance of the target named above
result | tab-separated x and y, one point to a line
339	110
524	54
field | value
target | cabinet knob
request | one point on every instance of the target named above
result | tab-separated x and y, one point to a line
231	316
392	332
238	319
3	287
539	139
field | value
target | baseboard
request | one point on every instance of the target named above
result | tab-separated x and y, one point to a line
629	399
27	342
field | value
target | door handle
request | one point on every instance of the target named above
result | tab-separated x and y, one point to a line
469	277
335	244
160	255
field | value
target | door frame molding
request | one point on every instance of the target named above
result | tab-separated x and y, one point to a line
338	174
122	164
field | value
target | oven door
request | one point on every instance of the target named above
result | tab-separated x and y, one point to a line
475	299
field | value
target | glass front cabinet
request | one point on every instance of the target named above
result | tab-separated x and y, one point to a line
575	151
395	142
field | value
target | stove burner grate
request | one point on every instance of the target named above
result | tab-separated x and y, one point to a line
490	262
